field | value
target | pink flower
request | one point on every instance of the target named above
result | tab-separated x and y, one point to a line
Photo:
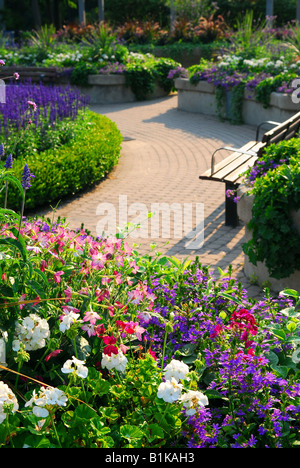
57	276
68	292
16	76
89	328
2	63
32	105
21	300
43	265
216	331
91	317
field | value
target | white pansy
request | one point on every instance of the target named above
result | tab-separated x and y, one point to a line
75	365
7	397
170	390
32	331
192	400
114	361
176	369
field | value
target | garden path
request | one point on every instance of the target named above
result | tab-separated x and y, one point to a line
163	153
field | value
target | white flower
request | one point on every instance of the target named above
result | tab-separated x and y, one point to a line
193	399
176	369
114	361
75	365
67	320
7	397
44	399
170	390
33	332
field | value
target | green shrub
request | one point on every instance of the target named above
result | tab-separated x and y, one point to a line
71	167
275	240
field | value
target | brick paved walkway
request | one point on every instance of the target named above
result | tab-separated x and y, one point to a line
163	153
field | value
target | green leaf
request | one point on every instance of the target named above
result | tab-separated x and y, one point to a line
290	293
230	297
15	181
131	432
279	334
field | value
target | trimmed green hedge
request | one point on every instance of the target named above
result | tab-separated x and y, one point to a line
72	167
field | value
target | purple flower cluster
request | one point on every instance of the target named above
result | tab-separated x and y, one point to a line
227	79
115	68
26	177
252	405
51	103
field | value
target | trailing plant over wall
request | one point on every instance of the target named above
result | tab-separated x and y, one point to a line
276	192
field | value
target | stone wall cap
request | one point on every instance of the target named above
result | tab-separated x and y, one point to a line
106	80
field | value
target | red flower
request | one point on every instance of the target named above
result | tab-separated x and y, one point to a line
110	349
53	354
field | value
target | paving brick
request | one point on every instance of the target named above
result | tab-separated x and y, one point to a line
165	151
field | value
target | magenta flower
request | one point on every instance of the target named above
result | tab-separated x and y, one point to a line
2	63
57	276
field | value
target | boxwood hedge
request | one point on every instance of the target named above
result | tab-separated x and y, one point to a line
72	167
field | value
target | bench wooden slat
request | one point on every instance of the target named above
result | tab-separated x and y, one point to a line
236	176
231	169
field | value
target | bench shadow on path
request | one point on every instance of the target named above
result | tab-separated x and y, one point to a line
211	238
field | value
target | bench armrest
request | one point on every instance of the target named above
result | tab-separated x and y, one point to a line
228	148
267	122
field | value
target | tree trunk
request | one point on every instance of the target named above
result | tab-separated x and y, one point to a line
101	10
81	12
36	14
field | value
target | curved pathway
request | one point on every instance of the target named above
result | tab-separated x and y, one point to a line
163	153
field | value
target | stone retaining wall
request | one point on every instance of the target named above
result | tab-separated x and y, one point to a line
110	89
201	98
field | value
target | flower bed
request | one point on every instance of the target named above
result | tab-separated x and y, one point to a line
241	90
67	147
102	348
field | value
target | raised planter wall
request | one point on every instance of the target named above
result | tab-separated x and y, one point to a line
260	272
110	89
201	98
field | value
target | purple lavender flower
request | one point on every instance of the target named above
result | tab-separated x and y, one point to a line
2	151
9	162
26	177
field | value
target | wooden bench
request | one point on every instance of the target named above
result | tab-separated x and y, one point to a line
35	74
231	169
